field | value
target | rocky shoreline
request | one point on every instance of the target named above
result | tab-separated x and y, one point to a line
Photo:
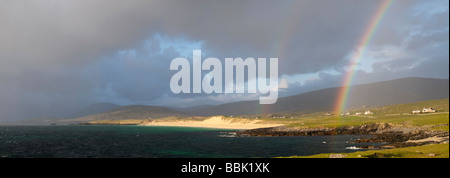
392	136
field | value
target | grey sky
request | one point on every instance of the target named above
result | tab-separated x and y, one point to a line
61	55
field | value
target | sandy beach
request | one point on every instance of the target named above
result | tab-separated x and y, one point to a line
215	122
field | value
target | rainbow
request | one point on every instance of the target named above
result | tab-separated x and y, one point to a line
341	100
288	29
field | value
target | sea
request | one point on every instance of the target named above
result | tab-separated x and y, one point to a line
132	141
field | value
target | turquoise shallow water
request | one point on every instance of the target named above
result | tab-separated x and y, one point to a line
157	142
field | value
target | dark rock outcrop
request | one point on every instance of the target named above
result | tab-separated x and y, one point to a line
383	133
370	128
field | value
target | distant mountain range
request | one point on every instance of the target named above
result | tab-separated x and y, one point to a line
95	109
139	112
405	90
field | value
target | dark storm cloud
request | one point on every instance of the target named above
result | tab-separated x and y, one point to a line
62	55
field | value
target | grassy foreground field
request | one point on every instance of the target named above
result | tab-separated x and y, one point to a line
426	151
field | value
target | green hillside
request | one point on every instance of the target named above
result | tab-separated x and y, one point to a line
441	105
398	115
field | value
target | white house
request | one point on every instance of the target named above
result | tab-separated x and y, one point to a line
416	112
427	110
368	112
